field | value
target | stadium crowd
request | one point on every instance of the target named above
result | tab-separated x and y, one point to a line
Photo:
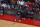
24	9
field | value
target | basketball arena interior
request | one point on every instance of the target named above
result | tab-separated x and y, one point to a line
19	13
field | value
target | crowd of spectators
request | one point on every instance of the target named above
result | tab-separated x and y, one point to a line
28	9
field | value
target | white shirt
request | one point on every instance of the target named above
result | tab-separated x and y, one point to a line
8	6
4	5
22	3
18	2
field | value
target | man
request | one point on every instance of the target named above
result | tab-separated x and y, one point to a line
18	14
4	5
18	2
22	4
22	14
1	10
27	3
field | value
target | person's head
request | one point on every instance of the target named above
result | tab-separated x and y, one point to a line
33	3
28	1
22	0
4	3
36	3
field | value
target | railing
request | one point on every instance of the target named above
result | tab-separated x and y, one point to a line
13	12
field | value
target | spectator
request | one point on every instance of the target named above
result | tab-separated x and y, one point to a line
33	5
28	3
4	5
22	4
8	6
0	4
18	2
12	2
23	14
36	5
18	14
12	6
16	7
1	9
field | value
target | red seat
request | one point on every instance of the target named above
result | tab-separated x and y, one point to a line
30	9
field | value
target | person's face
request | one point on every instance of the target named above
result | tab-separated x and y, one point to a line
36	3
33	3
22	0
4	3
28	1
